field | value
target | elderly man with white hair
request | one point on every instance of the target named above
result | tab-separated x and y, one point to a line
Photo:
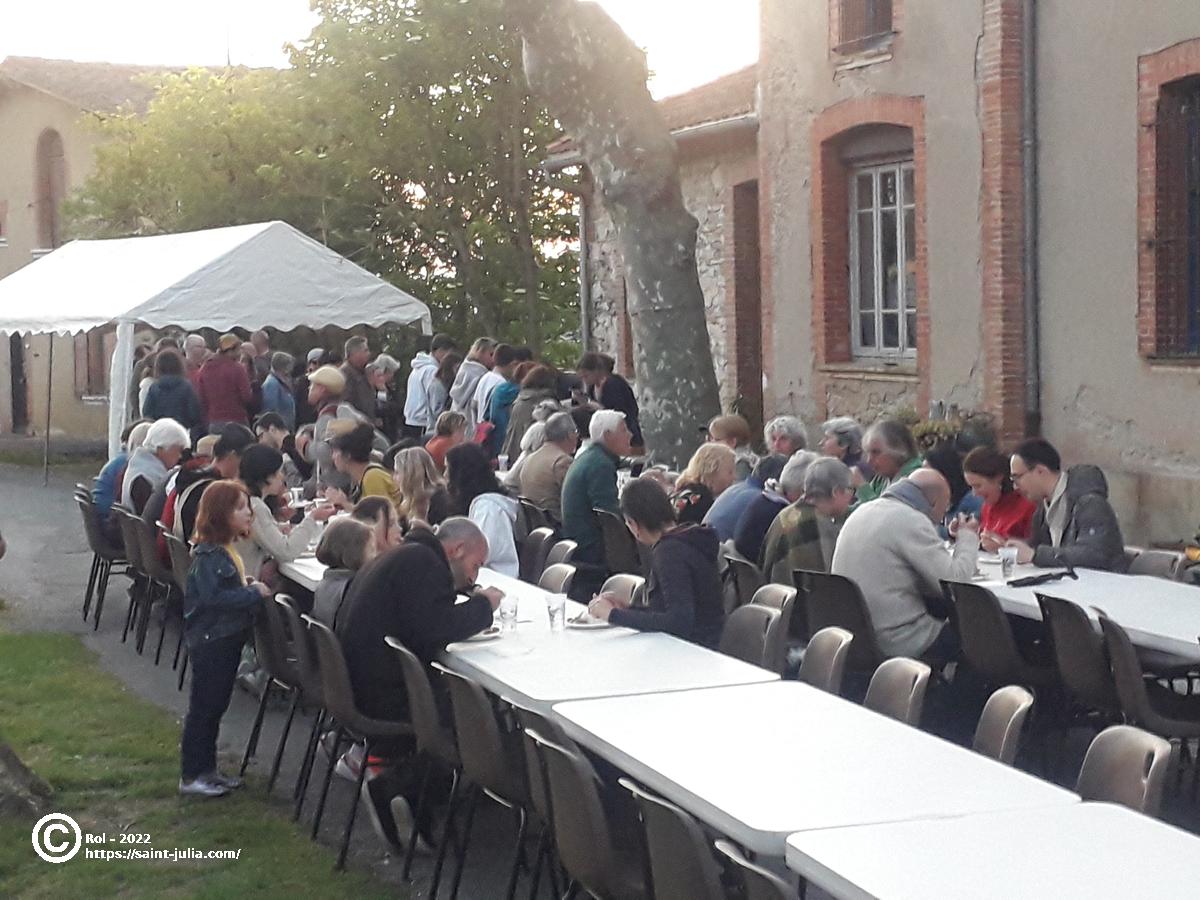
891	453
785	436
544	472
805	534
591	483
150	463
892	550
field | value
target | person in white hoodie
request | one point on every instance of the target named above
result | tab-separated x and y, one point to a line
477	364
419	415
475	493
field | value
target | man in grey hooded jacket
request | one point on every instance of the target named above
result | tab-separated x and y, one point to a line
462	394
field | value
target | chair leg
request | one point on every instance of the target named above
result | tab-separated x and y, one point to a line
422	799
134	605
518	854
354	803
144	616
182	670
287	727
256	728
178	647
572	890
91	585
539	858
337	744
162	633
472	805
447	830
101	590
300	788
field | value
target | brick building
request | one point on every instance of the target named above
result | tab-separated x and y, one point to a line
994	204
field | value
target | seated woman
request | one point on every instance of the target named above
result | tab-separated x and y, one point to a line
1006	513
475	493
709	473
261	470
379	514
734	432
151	463
346	546
422	489
684	588
352	457
450	430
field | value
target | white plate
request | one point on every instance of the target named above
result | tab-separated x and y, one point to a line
587	623
488	634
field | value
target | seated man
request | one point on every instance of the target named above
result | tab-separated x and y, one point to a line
544	472
805	534
591	483
752	527
891	549
727	509
1073	525
409	593
892	454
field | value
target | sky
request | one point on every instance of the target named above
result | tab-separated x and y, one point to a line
689	42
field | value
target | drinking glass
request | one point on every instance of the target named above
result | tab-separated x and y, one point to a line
556	606
508	613
1008	562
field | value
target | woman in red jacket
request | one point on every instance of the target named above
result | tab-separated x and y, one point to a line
1006	513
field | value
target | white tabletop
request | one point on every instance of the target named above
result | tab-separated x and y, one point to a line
1159	614
535	667
760	762
1080	852
305	571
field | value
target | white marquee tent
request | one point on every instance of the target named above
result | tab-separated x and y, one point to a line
247	276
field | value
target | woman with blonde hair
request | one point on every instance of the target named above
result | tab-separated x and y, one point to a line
421	487
710	471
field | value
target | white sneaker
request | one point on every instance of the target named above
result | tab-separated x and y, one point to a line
403	817
203	786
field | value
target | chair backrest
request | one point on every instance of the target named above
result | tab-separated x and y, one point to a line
620	546
680	859
897	689
272	647
1128	766
835	600
152	565
631	589
335	677
1159	563
534	550
1131	553
747	578
562	552
422	706
998	733
1079	654
783	598
308	667
97	542
487	759
557	579
582	831
129	536
987	638
1127	674
539	787
824	662
181	558
760	883
753	634
534	516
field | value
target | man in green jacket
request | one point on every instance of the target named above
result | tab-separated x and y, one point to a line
591	483
892	455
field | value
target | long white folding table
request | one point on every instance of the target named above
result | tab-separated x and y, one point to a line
536	667
1160	615
761	762
1079	852
305	571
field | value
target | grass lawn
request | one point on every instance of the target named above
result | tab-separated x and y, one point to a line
113	762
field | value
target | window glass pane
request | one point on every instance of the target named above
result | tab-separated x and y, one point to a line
887	187
910	192
910	324
865	191
867	331
866	261
889	254
910	260
891	331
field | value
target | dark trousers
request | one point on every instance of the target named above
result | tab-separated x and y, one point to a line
214	668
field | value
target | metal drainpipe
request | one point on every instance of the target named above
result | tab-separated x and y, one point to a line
1033	365
585	275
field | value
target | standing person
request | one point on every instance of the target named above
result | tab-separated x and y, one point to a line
504	360
358	391
683	592
423	494
475	493
249	356
195	352
225	394
277	394
352	457
380	374
891	453
538	385
172	396
305	413
450	431
1006	513
497	403
419	413
543	472
709	473
591	483
219	607
734	432
150	463
477	364
263	359
439	388
605	389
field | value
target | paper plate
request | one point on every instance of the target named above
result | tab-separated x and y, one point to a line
488	634
587	624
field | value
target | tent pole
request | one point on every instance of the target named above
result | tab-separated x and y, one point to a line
49	395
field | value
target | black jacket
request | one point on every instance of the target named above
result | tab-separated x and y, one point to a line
1091	537
407	593
173	397
684	588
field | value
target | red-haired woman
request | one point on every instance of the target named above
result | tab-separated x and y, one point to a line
218	615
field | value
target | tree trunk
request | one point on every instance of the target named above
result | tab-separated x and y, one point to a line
594	80
22	794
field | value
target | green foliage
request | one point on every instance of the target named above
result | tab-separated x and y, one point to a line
403	137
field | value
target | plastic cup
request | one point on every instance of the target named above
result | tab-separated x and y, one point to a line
502	462
508	613
556	606
1008	562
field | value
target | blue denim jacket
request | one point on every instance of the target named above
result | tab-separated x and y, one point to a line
217	604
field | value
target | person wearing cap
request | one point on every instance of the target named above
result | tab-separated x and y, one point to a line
224	386
305	414
277	390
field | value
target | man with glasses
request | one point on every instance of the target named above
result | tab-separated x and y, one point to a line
1074	524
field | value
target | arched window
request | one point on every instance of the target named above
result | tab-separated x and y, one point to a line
50	180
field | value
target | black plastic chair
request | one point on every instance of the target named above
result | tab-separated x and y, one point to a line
988	644
620	547
679	858
181	562
105	555
746	578
836	601
141	586
273	649
1080	656
534	550
759	883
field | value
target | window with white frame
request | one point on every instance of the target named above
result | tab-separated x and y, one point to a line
883	261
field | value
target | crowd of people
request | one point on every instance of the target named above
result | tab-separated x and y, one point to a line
255	464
